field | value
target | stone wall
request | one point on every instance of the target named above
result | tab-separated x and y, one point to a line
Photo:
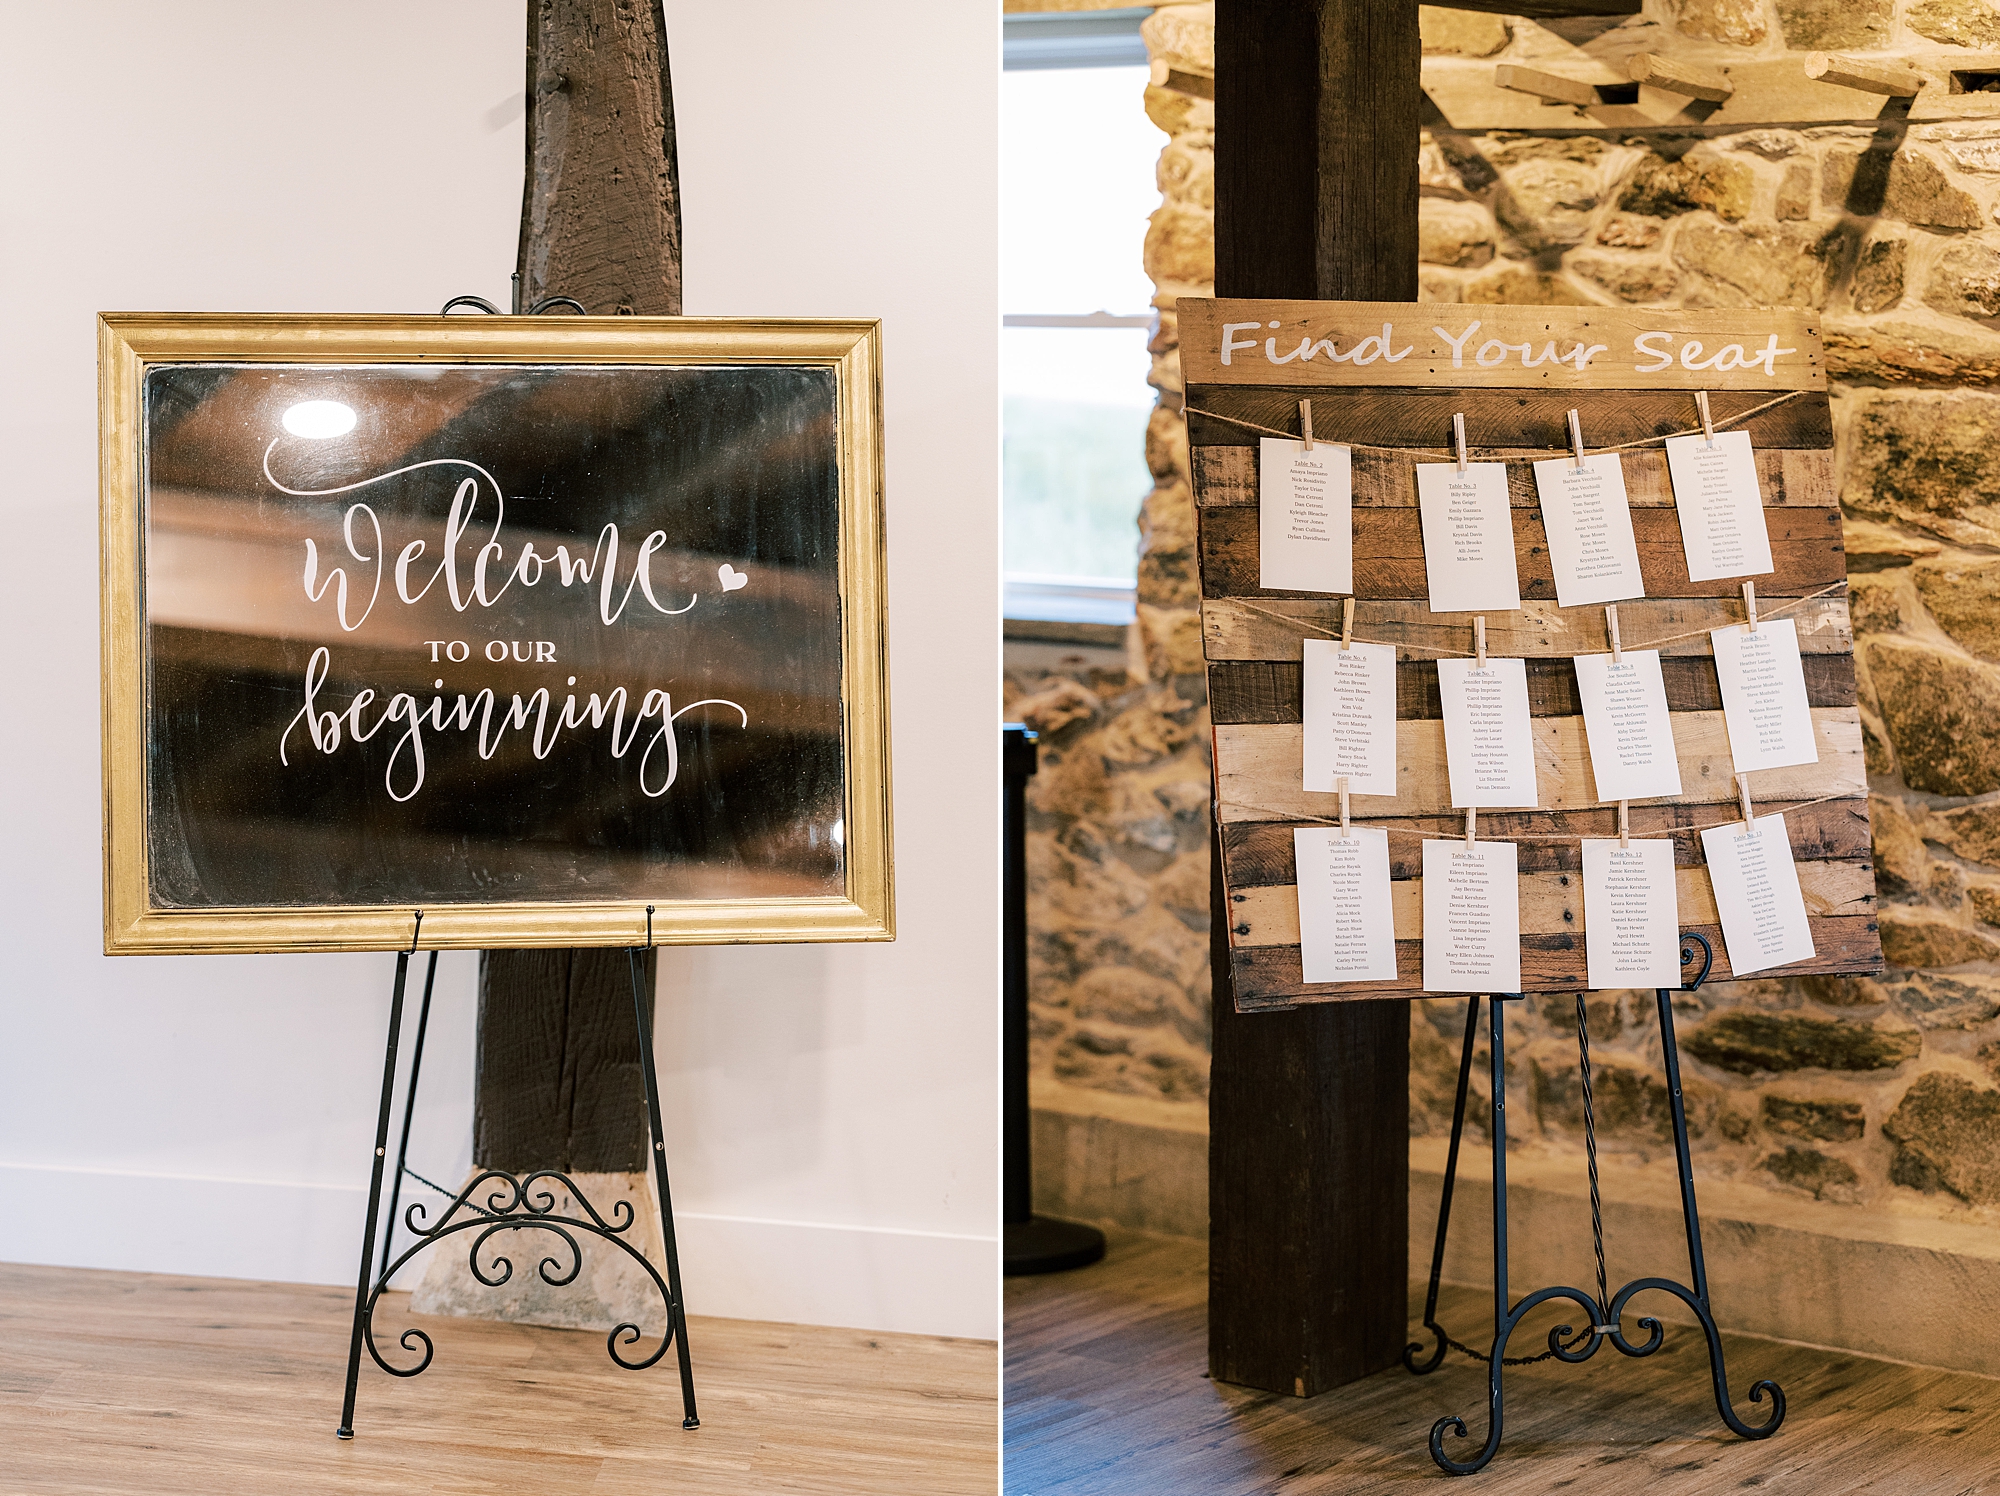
1882	1094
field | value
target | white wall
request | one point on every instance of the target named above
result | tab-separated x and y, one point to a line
831	1112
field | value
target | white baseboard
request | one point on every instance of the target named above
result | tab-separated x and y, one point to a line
793	1272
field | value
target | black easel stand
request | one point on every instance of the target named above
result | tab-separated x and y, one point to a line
511	1202
1605	1309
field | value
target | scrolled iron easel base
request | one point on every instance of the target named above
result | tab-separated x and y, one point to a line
1605	1312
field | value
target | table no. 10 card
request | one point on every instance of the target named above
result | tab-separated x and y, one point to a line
1347	927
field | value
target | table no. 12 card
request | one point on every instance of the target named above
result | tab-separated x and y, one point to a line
1626	726
1489	738
1589	524
1757	894
1346	923
1631	918
1472	917
1721	507
1764	703
1350	717
1468	537
1305	517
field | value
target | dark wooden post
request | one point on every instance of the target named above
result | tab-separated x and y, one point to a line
559	1084
1316	110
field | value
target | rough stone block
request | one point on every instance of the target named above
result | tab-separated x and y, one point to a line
1460	33
1172	640
1948	1130
1760	265
1180	244
1902	866
1947	1002
1516	285
1937	708
1738	21
1913	936
1547	202
1875	547
1814	1172
1985	901
1177	113
1795	191
1626	278
1812	25
1972	831
1964	282
1453	233
1660	188
1807	1117
1964	598
1186	172
1878	274
1748	1042
1926	459
1626	231
1167	445
1957	23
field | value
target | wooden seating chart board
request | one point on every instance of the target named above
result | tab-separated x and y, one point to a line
1387	378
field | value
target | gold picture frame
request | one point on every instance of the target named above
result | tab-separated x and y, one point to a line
133	346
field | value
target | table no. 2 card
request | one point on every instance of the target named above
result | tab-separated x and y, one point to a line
1468	537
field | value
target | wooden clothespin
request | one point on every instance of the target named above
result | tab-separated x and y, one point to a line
1624	824
1576	437
1346	624
1743	791
1479	641
1611	627
1707	421
1306	423
1345	832
1471	822
1750	607
1458	436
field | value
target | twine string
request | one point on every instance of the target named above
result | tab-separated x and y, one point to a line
1290	817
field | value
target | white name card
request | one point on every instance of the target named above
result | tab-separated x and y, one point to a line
1756	887
1347	927
1350	717
1631	917
1721	507
1626	725
1468	537
1764	696
1589	523
1489	740
1472	917
1305	516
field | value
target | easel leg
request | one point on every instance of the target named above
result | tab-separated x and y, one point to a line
1697	1265
346	1429
677	1311
1444	1201
409	1110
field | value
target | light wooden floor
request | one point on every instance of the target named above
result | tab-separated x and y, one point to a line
1106	1393
124	1382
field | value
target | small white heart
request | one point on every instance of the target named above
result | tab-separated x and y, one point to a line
732	578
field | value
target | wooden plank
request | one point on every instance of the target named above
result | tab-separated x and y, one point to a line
1238	341
1551	903
1271	690
1273	628
1524	419
1270	976
1258	854
1258	776
1807	553
1227	476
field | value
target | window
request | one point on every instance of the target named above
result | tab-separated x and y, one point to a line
1077	185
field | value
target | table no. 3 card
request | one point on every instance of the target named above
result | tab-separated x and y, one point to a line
1472	917
1489	739
1350	717
1757	894
1764	703
1589	524
1346	922
1305	517
1631	917
1468	537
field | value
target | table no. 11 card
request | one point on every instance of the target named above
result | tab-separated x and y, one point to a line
1757	894
1720	505
1589	524
1346	923
1489	738
1468	537
1305	517
1472	917
1350	717
1626	725
1631	918
1764	702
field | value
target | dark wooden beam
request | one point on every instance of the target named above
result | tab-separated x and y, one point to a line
1316	120
557	1081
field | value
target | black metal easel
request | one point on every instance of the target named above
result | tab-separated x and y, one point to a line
1605	1309
525	1202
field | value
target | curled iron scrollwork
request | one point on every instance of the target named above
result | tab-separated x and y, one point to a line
495	1201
